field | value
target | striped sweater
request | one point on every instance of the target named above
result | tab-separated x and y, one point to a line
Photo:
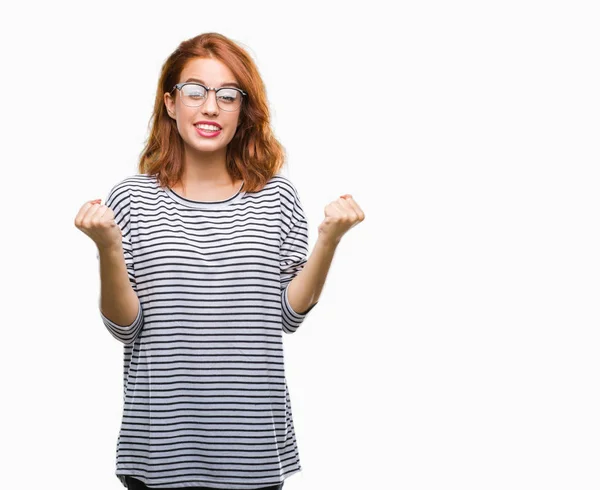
206	401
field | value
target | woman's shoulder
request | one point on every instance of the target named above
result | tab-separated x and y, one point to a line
286	187
135	184
137	181
280	179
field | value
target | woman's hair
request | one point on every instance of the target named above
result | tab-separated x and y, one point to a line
254	154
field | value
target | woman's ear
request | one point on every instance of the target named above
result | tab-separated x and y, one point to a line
169	105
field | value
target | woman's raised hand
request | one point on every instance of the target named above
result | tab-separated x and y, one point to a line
98	222
340	215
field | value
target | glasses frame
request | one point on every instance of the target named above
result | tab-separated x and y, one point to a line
179	86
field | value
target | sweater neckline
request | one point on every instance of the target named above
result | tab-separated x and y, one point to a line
191	203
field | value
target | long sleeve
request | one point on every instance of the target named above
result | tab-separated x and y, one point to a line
293	253
118	201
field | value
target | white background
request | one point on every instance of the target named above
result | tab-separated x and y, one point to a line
455	344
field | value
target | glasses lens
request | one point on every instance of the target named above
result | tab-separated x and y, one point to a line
228	99
194	95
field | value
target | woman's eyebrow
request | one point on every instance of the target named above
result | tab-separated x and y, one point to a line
226	84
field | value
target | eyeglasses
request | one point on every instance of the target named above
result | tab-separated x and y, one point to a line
195	94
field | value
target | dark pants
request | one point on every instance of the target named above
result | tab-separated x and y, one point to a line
135	484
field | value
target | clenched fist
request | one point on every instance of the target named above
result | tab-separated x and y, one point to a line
98	222
340	215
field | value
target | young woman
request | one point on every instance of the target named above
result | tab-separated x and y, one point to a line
203	267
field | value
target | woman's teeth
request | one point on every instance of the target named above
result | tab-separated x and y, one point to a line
207	127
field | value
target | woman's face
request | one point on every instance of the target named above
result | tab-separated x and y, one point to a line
210	73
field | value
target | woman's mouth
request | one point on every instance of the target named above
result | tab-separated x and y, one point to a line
207	130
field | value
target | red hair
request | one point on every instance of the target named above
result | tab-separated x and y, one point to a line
254	154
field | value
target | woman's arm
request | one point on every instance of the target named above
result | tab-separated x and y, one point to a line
120	307
340	216
305	289
119	303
